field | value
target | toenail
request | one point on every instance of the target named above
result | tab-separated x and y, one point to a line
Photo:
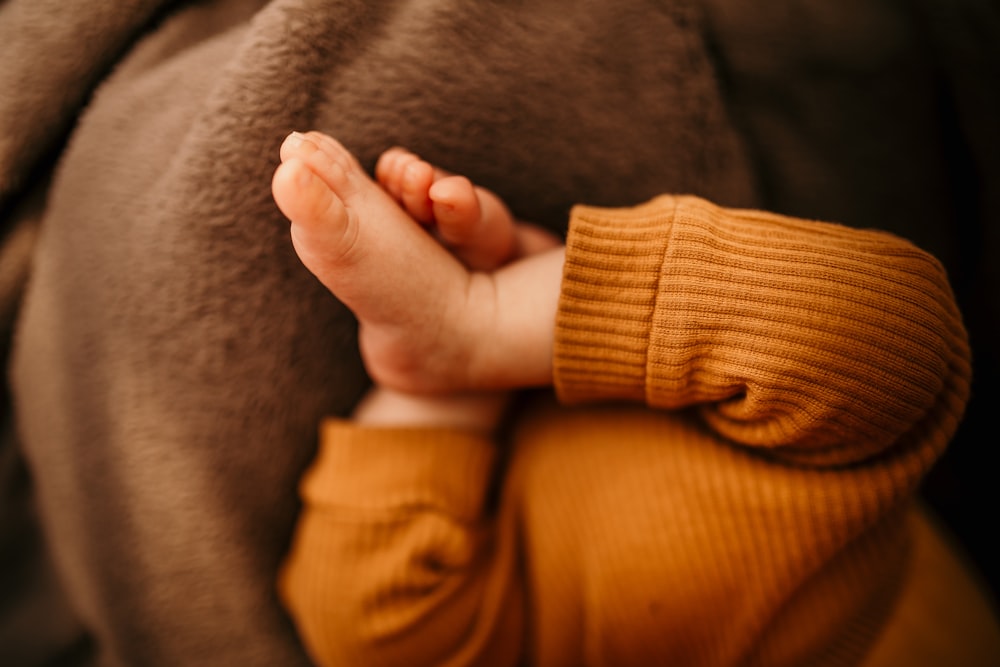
411	174
295	139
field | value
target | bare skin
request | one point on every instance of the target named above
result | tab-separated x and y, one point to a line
434	315
471	222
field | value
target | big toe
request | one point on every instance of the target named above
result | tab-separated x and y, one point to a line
321	226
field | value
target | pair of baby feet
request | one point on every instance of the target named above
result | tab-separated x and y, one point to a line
414	256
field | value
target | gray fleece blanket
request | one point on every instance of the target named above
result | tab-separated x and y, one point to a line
171	358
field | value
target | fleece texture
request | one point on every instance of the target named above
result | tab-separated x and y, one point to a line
171	358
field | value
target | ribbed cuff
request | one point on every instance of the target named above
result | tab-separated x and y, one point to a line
608	297
380	467
789	332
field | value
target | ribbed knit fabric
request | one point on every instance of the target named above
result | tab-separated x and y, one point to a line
803	376
825	341
394	562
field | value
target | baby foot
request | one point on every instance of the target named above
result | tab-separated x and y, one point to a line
472	222
417	306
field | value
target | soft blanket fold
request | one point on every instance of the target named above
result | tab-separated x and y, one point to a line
173	359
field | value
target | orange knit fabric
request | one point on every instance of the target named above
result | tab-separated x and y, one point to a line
803	377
